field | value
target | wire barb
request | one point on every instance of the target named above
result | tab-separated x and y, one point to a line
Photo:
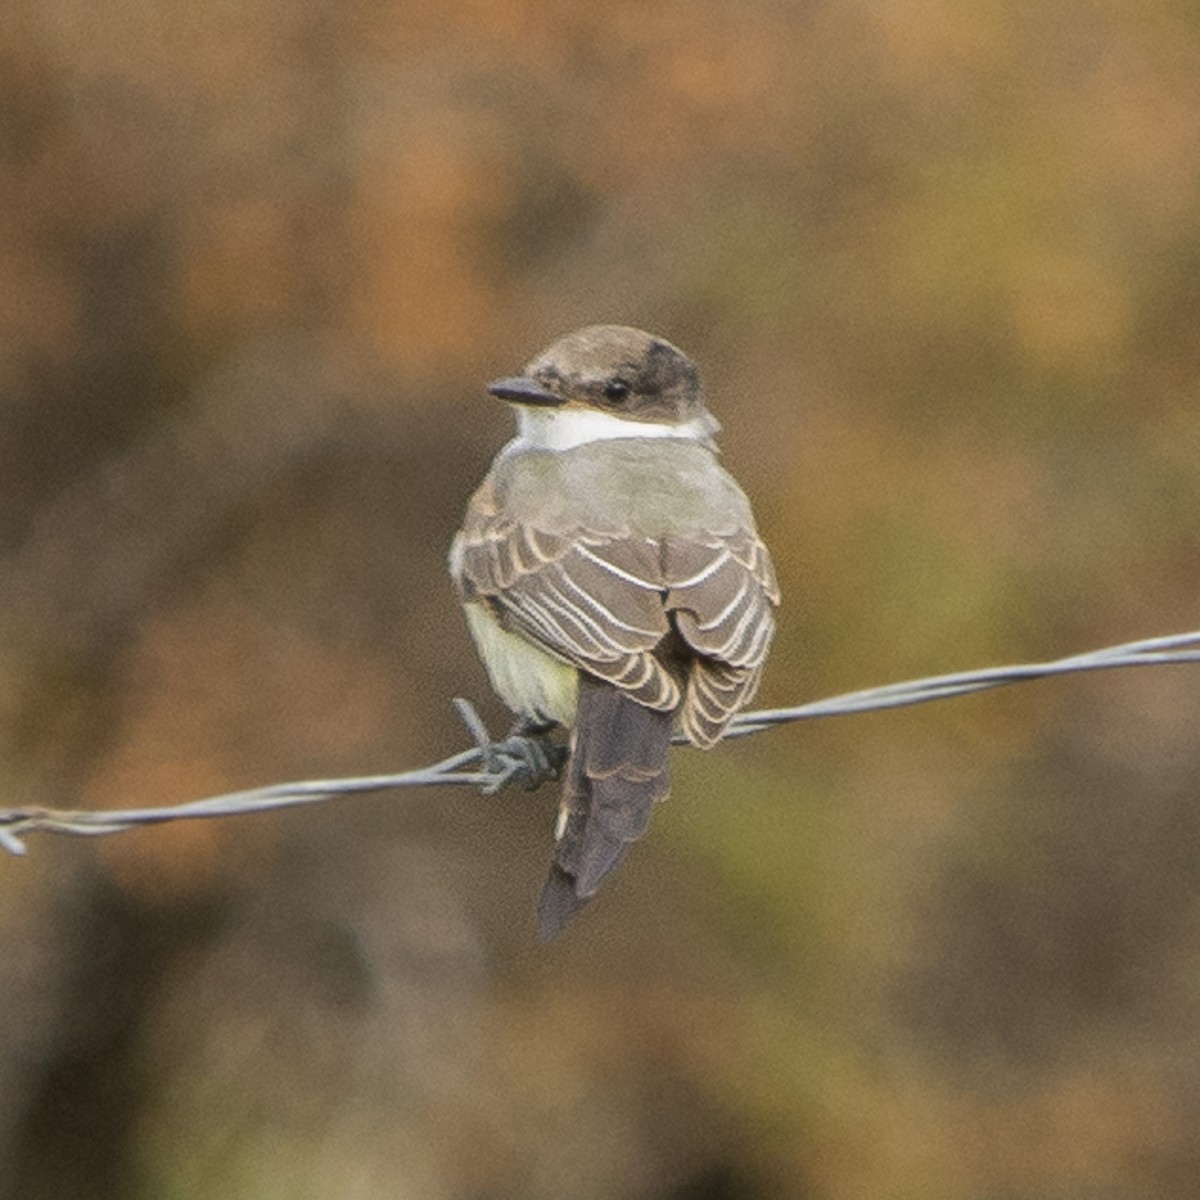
530	757
10	842
526	756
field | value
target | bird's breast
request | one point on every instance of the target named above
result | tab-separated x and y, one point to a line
531	682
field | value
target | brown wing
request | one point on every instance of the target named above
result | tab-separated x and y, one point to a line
590	600
604	603
723	592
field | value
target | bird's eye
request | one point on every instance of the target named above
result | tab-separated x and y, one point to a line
616	390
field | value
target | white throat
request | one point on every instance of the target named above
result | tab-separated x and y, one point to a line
566	428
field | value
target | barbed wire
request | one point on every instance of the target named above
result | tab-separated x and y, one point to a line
531	759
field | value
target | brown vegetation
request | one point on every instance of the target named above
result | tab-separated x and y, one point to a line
939	264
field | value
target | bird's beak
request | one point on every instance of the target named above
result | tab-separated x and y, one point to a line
522	390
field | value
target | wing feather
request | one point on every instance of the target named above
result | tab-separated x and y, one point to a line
723	593
606	602
593	601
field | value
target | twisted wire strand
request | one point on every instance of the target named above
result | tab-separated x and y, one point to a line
531	760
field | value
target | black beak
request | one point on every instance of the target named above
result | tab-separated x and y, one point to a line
522	390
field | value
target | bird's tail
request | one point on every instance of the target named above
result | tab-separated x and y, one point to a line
617	770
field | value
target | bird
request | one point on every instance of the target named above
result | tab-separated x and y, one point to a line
614	584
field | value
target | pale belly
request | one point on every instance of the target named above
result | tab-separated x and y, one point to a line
531	682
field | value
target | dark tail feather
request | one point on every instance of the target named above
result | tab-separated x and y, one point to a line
618	769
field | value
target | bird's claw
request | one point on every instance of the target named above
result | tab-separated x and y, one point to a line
532	758
526	754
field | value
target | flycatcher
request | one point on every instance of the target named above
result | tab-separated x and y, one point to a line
614	583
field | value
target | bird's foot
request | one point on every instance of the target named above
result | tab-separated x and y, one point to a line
527	755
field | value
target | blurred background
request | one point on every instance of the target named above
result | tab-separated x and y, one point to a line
940	264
